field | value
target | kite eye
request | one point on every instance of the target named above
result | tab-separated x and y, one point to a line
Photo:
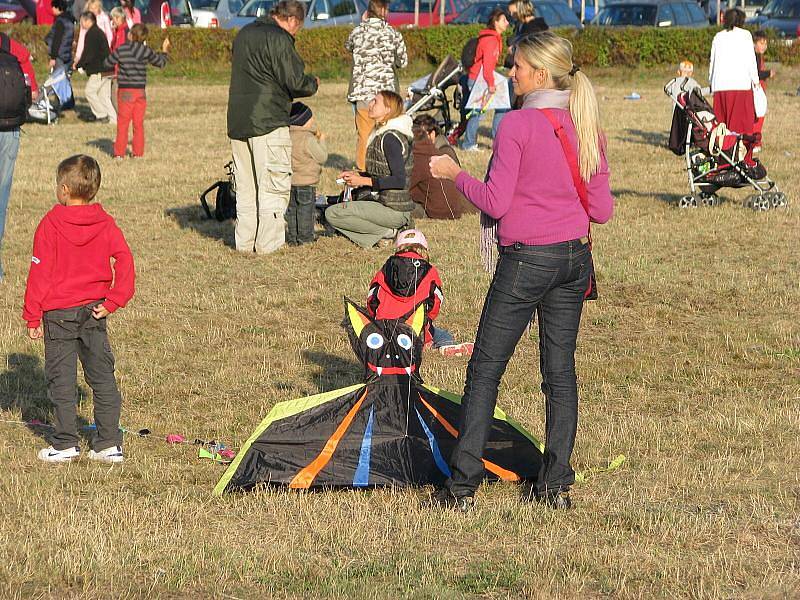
404	341
374	340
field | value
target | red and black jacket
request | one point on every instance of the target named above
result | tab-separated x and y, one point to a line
405	280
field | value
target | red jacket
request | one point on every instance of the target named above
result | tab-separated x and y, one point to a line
44	13
120	36
23	57
405	281
71	263
487	54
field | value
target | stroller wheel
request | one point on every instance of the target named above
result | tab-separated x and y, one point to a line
709	200
778	199
759	202
687	202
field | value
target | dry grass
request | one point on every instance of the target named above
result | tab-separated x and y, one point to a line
689	365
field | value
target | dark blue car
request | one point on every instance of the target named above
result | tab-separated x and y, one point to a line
781	15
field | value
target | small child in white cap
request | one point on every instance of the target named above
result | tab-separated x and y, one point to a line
407	279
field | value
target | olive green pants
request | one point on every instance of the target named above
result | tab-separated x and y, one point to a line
365	222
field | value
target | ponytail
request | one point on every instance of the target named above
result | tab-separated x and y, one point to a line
548	51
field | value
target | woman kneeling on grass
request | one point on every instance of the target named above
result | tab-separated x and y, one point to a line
388	175
545	260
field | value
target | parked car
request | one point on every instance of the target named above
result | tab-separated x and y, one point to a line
781	15
12	12
161	13
556	14
401	12
214	13
319	13
589	11
652	13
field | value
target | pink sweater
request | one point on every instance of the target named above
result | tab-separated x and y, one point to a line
529	187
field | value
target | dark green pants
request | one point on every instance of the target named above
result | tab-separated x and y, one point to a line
69	334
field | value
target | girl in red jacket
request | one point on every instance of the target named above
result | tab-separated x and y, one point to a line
487	55
72	289
407	279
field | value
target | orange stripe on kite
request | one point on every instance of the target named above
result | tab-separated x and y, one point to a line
494	469
306	476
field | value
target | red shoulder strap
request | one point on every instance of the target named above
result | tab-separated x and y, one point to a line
571	156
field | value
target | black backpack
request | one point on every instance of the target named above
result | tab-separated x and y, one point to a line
469	51
15	94
225	204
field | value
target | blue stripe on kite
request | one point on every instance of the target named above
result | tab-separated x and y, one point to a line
437	454
361	478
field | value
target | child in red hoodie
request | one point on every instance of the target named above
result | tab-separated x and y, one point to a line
71	289
406	279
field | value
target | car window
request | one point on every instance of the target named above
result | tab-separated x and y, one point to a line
566	16
204	4
342	8
782	9
407	6
548	14
477	13
681	16
319	10
627	14
696	13
665	14
256	8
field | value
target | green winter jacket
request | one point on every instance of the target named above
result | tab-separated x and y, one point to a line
266	74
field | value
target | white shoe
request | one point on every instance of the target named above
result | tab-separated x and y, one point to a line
109	455
51	455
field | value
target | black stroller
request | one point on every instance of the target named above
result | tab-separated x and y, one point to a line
714	154
429	94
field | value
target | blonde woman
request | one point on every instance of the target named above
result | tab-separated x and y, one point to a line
386	180
545	259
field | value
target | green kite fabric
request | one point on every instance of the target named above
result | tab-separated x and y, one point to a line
390	430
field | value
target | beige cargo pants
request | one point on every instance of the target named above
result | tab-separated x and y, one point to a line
263	181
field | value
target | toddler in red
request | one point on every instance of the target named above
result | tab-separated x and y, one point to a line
72	289
132	59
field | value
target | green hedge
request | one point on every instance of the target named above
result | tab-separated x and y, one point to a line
324	53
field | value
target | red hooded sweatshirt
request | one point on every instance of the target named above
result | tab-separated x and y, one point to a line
487	54
71	263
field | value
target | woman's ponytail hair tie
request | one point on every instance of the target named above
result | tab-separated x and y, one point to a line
574	69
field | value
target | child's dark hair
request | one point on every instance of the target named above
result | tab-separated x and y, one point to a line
759	35
418	248
423	125
89	16
81	175
138	33
61	5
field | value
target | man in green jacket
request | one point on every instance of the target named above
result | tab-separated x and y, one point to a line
266	75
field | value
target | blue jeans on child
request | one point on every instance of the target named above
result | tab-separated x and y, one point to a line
473	123
441	337
9	146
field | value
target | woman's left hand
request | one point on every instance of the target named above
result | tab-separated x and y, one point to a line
444	167
353	179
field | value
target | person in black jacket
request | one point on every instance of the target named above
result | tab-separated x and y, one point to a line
525	24
266	75
59	38
95	53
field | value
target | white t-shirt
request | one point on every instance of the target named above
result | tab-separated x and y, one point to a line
733	61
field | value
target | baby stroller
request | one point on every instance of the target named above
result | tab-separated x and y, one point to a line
55	95
714	154
430	93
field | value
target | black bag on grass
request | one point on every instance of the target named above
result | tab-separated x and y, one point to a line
225	201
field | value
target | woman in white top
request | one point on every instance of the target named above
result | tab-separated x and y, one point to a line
734	74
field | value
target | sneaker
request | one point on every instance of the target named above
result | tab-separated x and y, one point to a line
109	455
555	499
51	455
443	498
474	148
464	349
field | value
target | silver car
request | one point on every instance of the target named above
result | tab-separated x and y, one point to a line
319	13
214	13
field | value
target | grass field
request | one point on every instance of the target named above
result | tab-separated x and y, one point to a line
689	365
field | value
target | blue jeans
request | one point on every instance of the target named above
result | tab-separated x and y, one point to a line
473	123
9	146
550	280
441	337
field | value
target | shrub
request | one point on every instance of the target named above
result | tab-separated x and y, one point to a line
324	53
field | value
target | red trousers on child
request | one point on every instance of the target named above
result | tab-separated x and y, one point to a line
131	106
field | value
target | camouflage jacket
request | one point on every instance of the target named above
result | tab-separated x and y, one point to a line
378	50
